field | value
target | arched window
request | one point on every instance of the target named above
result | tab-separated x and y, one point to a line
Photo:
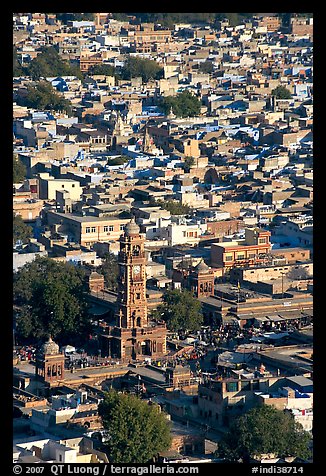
136	250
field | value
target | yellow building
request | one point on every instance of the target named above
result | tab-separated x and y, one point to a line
50	185
87	230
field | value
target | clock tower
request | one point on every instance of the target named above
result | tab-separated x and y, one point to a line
132	303
134	336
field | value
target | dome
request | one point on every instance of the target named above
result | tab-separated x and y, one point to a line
201	267
132	228
50	347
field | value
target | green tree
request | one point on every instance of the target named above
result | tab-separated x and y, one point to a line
65	17
43	96
120	16
174	207
188	163
206	67
50	296
119	160
233	18
21	231
19	170
18	70
169	19
137	430
281	92
261	430
141	67
103	69
184	104
180	310
110	270
48	63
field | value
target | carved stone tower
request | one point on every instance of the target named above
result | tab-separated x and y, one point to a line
201	280
132	304
134	336
50	363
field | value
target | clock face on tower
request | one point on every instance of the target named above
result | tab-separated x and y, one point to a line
136	270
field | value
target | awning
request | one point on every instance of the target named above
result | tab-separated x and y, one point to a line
261	318
292	315
230	320
275	318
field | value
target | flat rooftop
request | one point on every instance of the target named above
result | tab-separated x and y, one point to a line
88	218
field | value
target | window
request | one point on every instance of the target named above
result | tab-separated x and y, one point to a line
73	185
111	227
232	386
261	241
122	227
93	229
241	256
88	230
106	228
229	258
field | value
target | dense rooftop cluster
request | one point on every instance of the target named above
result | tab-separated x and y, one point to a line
194	137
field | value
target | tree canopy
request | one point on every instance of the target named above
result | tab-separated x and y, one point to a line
65	17
50	296
180	310
48	63
42	96
174	207
119	160
103	69
188	163
183	104
261	430
110	269
18	70
169	19
206	67
21	231
19	170
141	67
137	430
281	92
